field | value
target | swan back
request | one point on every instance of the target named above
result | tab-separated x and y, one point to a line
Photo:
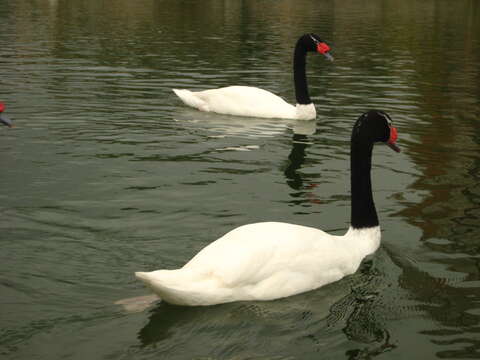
240	101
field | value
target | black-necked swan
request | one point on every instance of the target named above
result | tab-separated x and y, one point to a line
271	260
256	102
3	119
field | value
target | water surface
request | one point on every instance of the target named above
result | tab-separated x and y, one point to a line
107	173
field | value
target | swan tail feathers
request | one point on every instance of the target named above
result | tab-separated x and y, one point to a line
171	293
143	276
191	99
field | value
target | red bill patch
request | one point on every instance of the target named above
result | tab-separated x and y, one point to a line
323	48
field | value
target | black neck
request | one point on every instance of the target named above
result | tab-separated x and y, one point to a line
363	213
299	75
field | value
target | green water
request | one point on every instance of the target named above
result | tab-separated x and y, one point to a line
107	173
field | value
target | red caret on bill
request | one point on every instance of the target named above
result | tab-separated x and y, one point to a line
393	135
323	48
392	140
2	107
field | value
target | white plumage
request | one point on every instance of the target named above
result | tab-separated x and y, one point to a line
245	101
263	261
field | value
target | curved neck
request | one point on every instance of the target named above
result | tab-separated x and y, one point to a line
299	75
363	213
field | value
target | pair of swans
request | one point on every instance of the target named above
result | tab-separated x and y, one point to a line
272	260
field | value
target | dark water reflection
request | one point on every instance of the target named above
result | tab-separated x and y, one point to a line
288	325
107	173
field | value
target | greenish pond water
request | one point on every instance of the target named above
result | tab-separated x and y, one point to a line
107	173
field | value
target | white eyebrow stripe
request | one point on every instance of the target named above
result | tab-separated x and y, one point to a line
314	40
385	115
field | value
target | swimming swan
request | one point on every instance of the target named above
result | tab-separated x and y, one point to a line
271	260
256	102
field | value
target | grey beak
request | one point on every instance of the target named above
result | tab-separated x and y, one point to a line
393	146
328	56
5	120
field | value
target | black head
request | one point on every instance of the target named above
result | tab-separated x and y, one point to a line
375	126
313	43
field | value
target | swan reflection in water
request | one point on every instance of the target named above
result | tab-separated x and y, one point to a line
314	319
227	126
296	159
304	189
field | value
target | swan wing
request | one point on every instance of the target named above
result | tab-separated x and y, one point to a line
261	261
192	99
240	101
254	253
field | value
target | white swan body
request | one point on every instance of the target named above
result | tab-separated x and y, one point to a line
263	261
245	101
